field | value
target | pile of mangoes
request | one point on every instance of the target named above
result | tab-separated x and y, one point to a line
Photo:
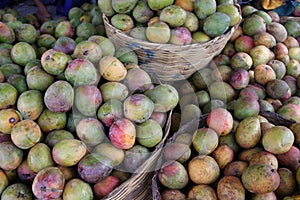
77	116
247	147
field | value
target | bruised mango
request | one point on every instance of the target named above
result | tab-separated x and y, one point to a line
48	183
8	119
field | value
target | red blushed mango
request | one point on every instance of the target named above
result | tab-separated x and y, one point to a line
122	134
173	175
280	50
220	120
244	43
106	186
290	159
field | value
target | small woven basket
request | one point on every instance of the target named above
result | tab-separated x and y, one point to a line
138	186
168	62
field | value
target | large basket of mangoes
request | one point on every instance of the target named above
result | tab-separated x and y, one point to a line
172	39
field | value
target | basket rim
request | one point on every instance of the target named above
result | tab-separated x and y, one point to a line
231	29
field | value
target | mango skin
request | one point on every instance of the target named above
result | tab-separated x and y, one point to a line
266	179
173	175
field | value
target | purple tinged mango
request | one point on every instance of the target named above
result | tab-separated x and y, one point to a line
65	45
25	174
135	157
137	80
93	168
48	183
142	12
180	36
59	96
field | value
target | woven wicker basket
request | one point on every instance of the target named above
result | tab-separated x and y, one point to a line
138	186
168	62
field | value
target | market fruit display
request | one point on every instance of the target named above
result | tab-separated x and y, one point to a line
244	144
174	22
77	115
